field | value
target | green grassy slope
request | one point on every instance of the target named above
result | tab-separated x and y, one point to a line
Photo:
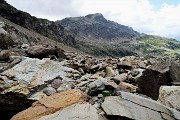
158	46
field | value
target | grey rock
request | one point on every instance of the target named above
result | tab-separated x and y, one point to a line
62	88
175	71
135	75
96	85
110	72
74	112
152	78
30	73
56	83
120	78
4	55
142	64
137	107
170	96
49	91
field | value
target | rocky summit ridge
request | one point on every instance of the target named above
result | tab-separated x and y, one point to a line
94	34
96	27
43	79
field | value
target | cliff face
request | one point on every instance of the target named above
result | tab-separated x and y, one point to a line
43	26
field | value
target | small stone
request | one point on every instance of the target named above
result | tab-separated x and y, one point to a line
49	91
110	72
56	83
128	87
120	78
4	55
63	87
100	96
97	85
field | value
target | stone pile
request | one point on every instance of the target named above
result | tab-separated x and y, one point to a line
74	87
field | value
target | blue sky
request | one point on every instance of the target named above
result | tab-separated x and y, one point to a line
155	17
157	4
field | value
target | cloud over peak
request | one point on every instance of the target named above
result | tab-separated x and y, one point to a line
139	14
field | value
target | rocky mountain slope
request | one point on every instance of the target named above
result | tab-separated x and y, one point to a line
42	79
42	26
97	35
93	34
95	27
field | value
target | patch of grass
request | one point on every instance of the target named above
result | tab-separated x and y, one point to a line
159	46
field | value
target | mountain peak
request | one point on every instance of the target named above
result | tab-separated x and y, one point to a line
96	16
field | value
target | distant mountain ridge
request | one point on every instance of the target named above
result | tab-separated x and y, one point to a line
93	34
95	26
43	26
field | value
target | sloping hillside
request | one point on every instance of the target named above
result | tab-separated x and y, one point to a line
156	45
43	26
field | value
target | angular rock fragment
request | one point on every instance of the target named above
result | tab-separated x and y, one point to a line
170	96
137	107
32	75
49	91
96	86
4	55
50	105
83	111
152	78
175	71
41	52
110	72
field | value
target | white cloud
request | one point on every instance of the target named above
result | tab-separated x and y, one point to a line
138	14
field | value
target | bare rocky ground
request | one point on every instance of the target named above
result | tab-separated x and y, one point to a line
44	80
68	86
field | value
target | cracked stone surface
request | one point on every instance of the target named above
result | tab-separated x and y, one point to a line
137	107
77	111
50	105
169	96
30	73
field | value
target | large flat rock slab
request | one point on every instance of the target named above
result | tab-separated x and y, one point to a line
138	108
78	111
30	73
50	105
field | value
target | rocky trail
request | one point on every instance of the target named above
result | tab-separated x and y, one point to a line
51	84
